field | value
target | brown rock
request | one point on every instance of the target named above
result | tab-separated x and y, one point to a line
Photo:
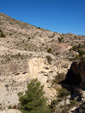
76	74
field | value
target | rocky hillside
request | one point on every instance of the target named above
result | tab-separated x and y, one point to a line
23	36
28	52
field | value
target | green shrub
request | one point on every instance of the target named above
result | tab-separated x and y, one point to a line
60	39
58	78
54	103
33	101
2	34
49	59
64	110
10	107
74	48
53	106
77	49
75	37
72	103
81	52
63	93
49	50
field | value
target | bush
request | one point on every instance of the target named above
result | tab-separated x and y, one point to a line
2	34
63	93
72	103
59	78
60	39
81	52
49	50
49	59
33	101
74	48
77	49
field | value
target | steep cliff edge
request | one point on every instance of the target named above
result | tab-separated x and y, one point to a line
76	74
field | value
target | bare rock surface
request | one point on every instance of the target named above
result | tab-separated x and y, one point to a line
10	111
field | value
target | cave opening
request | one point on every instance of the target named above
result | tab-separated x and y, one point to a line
72	79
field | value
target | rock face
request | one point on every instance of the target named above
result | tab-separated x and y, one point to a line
10	111
82	72
76	74
80	109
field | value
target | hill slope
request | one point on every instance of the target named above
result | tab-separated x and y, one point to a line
23	36
28	52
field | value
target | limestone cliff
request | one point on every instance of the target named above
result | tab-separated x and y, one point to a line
76	74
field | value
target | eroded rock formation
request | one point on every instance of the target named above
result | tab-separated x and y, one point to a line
76	74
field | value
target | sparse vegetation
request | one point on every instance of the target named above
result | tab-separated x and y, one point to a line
62	97
7	58
81	52
74	48
60	39
78	49
23	52
19	56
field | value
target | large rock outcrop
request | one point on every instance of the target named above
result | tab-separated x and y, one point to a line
76	74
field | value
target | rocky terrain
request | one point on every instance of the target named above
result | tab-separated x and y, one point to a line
28	52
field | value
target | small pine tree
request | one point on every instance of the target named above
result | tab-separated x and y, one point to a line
33	100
